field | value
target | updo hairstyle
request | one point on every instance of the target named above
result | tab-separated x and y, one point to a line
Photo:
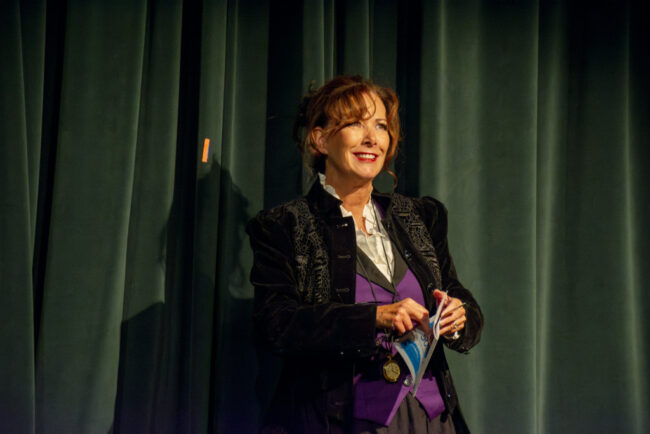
333	106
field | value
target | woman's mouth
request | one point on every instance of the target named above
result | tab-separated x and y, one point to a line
366	157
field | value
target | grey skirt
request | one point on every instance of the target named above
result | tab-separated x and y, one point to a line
410	418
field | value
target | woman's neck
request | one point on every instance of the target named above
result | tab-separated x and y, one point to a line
355	200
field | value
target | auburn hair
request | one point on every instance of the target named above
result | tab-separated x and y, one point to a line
334	105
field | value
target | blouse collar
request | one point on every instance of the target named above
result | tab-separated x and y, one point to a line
369	211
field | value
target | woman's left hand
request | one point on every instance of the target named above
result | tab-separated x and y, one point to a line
453	317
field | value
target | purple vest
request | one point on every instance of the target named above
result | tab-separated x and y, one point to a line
375	399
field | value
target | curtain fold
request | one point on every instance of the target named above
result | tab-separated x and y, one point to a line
551	196
17	205
145	400
138	138
235	169
78	347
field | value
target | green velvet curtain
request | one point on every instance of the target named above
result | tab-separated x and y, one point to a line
124	300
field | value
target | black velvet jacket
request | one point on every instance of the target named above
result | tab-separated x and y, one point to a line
304	278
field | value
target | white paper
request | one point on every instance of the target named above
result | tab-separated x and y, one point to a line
416	350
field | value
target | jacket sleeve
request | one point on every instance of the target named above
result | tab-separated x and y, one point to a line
284	323
434	215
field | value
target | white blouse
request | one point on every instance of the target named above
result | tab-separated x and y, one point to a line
371	245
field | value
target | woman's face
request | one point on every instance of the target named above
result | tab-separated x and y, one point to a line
356	153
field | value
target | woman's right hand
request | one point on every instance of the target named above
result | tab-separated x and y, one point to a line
401	316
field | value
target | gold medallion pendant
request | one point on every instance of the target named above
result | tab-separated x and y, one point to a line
391	370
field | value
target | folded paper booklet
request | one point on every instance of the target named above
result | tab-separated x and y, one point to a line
416	350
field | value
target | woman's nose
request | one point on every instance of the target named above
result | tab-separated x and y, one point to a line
371	137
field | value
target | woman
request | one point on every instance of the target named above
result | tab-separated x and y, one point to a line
345	271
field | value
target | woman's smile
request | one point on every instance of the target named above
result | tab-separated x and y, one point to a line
365	157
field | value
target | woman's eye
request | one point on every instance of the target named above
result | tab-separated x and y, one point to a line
382	127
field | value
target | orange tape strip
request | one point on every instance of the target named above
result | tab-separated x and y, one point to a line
206	148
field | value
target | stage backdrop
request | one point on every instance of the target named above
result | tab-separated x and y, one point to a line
125	304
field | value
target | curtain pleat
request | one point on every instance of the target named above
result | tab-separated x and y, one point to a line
17	206
145	399
550	195
138	138
637	211
236	172
79	337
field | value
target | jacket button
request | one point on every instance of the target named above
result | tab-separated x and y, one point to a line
408	381
407	254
